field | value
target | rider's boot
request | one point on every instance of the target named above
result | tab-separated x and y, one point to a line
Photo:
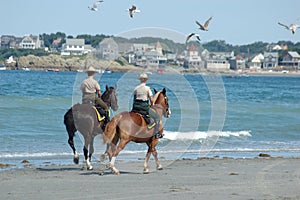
156	130
106	119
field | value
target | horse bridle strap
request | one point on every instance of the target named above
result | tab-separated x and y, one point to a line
160	107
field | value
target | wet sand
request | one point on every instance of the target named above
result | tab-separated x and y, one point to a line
257	178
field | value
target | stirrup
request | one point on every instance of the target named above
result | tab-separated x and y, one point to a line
158	135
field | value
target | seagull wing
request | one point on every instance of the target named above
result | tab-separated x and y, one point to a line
189	37
201	27
198	37
207	22
133	8
287	27
130	13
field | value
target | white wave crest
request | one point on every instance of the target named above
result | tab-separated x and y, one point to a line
203	135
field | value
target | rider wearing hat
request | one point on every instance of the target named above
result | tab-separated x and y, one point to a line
91	93
142	95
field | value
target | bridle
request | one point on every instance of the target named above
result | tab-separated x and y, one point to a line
166	111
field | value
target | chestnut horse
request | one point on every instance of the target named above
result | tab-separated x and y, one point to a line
82	117
131	126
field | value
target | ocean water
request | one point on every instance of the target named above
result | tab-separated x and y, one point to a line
211	115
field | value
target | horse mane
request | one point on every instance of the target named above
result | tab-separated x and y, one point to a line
156	96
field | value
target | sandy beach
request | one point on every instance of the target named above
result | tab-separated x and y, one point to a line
257	178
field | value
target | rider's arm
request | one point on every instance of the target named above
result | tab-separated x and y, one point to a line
99	93
151	100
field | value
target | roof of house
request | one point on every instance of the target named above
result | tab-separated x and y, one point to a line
192	48
78	42
294	54
106	41
273	54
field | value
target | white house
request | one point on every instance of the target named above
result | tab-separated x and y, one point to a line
256	62
192	59
30	42
74	47
218	61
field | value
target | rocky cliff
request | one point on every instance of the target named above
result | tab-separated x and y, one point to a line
71	63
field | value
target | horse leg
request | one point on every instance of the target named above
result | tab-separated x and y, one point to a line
71	143
116	151
85	152
108	152
110	148
152	149
158	165
91	148
71	129
146	168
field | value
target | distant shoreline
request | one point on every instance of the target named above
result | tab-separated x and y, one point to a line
131	69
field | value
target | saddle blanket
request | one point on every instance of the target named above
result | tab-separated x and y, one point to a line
99	116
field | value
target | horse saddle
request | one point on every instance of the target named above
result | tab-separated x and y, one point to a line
149	121
100	112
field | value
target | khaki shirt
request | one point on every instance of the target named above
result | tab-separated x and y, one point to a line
142	92
89	86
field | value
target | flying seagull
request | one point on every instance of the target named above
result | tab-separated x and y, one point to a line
132	10
191	35
204	27
95	6
291	27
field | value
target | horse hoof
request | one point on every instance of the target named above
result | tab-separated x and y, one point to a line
76	160
90	168
101	173
146	171
160	168
116	172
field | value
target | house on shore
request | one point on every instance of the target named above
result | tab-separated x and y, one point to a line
193	59
238	63
270	60
256	62
26	42
31	42
75	47
108	49
10	41
291	60
217	61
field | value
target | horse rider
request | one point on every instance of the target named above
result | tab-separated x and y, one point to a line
91	93
142	94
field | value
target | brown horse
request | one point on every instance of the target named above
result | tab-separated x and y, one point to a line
130	126
82	117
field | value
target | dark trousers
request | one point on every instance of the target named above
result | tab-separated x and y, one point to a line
96	100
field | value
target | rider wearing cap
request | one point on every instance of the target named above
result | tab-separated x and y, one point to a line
91	93
142	95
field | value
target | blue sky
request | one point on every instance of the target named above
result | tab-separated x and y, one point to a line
235	21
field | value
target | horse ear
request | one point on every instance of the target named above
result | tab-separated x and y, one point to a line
106	87
155	91
164	91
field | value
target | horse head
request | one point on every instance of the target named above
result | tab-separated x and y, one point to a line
161	99
110	97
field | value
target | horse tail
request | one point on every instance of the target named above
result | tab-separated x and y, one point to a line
70	122
68	116
111	129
